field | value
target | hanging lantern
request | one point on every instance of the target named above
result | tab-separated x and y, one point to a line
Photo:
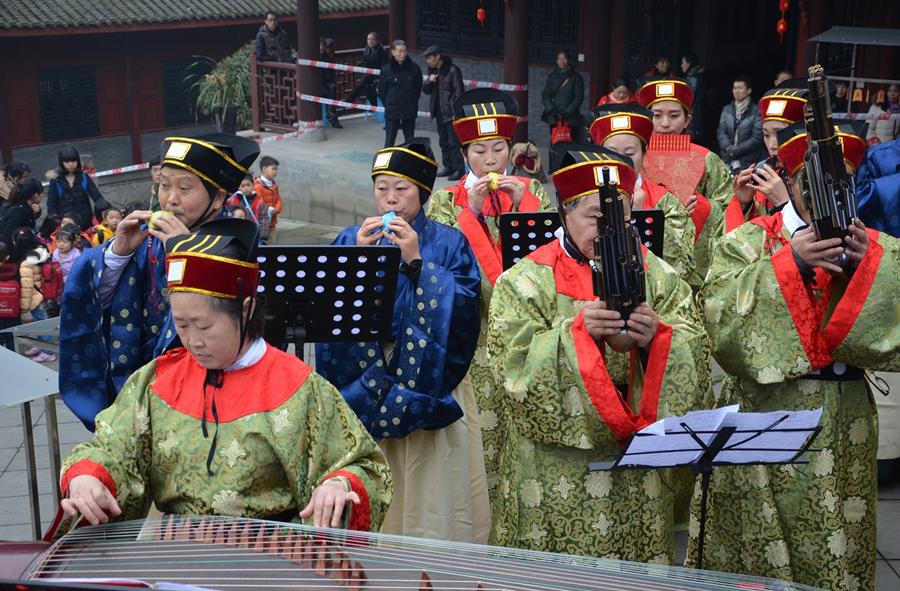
784	6
782	28
481	15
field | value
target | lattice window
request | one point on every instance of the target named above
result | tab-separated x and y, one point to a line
454	26
434	16
178	76
554	26
68	103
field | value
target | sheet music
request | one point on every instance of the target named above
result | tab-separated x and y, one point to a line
773	437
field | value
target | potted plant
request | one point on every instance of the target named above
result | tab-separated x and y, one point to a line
223	89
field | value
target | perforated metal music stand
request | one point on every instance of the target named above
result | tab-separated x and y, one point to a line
521	233
328	294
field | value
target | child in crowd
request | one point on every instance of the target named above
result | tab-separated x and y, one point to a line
106	229
67	252
266	187
48	229
70	218
30	255
9	296
254	205
238	212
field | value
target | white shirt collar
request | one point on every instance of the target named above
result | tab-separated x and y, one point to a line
251	356
561	236
639	182
266	182
471	179
790	217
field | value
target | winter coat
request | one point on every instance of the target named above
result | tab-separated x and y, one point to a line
446	90
749	147
885	130
81	197
273	46
562	96
271	196
30	296
374	57
14	217
399	87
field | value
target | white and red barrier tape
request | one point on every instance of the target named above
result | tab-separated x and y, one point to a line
866	116
376	72
366	106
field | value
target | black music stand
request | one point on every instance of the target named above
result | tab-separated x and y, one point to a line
521	233
700	442
328	294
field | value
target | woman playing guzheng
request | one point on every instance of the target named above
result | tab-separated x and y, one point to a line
549	336
410	393
626	129
485	123
794	330
226	424
697	176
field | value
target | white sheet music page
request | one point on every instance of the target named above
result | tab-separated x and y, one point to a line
780	435
668	443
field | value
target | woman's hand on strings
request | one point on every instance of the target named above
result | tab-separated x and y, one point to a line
90	497
328	502
370	231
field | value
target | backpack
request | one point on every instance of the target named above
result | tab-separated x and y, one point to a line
51	280
84	185
10	290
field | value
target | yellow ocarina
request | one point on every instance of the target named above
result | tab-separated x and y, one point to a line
494	183
151	223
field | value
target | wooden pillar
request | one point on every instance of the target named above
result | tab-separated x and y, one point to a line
309	79
132	104
515	57
596	47
397	20
618	16
5	136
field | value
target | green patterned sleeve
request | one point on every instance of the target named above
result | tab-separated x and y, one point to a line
534	358
715	184
440	207
119	453
537	189
864	326
751	330
317	436
678	235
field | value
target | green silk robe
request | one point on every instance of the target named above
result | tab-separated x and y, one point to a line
715	184
563	411
813	523
678	235
282	431
447	206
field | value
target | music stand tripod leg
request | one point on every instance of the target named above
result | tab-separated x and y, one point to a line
31	468
53	444
704	499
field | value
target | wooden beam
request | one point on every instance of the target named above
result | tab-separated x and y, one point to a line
397	20
132	101
515	57
309	79
5	139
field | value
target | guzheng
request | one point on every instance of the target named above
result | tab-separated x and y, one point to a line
675	163
248	554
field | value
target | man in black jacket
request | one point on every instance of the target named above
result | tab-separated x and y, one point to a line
740	128
399	87
272	43
374	56
329	83
445	85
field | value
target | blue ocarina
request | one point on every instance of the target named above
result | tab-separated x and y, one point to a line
386	219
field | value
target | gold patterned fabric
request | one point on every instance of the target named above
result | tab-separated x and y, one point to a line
546	499
813	523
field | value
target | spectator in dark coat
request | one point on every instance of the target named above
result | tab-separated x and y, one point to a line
693	75
399	87
71	189
374	56
740	128
445	85
272	43
329	85
22	209
563	94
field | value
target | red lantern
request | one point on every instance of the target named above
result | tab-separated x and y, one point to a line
784	6
481	15
781	27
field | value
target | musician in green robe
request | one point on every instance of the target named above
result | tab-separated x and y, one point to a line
795	331
226	424
548	340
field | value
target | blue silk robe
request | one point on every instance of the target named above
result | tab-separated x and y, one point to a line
100	348
435	330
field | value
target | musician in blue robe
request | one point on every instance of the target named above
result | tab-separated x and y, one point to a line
878	188
410	393
114	317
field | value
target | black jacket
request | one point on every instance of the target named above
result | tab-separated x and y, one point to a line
14	217
562	96
749	147
374	57
62	198
449	88
399	87
273	46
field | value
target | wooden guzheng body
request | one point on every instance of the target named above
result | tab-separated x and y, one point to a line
247	554
673	162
